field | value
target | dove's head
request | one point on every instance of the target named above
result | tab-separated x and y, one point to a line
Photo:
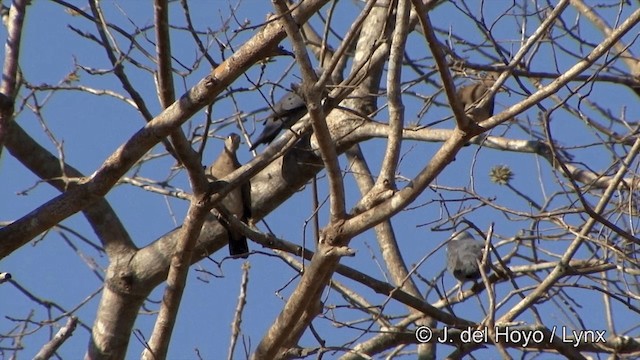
232	142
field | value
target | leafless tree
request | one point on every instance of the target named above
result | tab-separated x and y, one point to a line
561	143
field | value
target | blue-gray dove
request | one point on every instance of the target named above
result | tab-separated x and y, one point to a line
238	201
464	253
286	112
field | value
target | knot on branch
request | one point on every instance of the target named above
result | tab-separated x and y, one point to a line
122	282
6	105
333	235
377	195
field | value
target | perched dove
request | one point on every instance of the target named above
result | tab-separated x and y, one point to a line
238	201
286	112
464	253
471	95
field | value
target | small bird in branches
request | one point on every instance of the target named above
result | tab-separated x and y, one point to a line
471	95
286	112
464	257
238	201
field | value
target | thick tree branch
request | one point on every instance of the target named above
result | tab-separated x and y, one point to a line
394	94
10	68
176	282
313	96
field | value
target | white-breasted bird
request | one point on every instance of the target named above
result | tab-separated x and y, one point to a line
238	201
